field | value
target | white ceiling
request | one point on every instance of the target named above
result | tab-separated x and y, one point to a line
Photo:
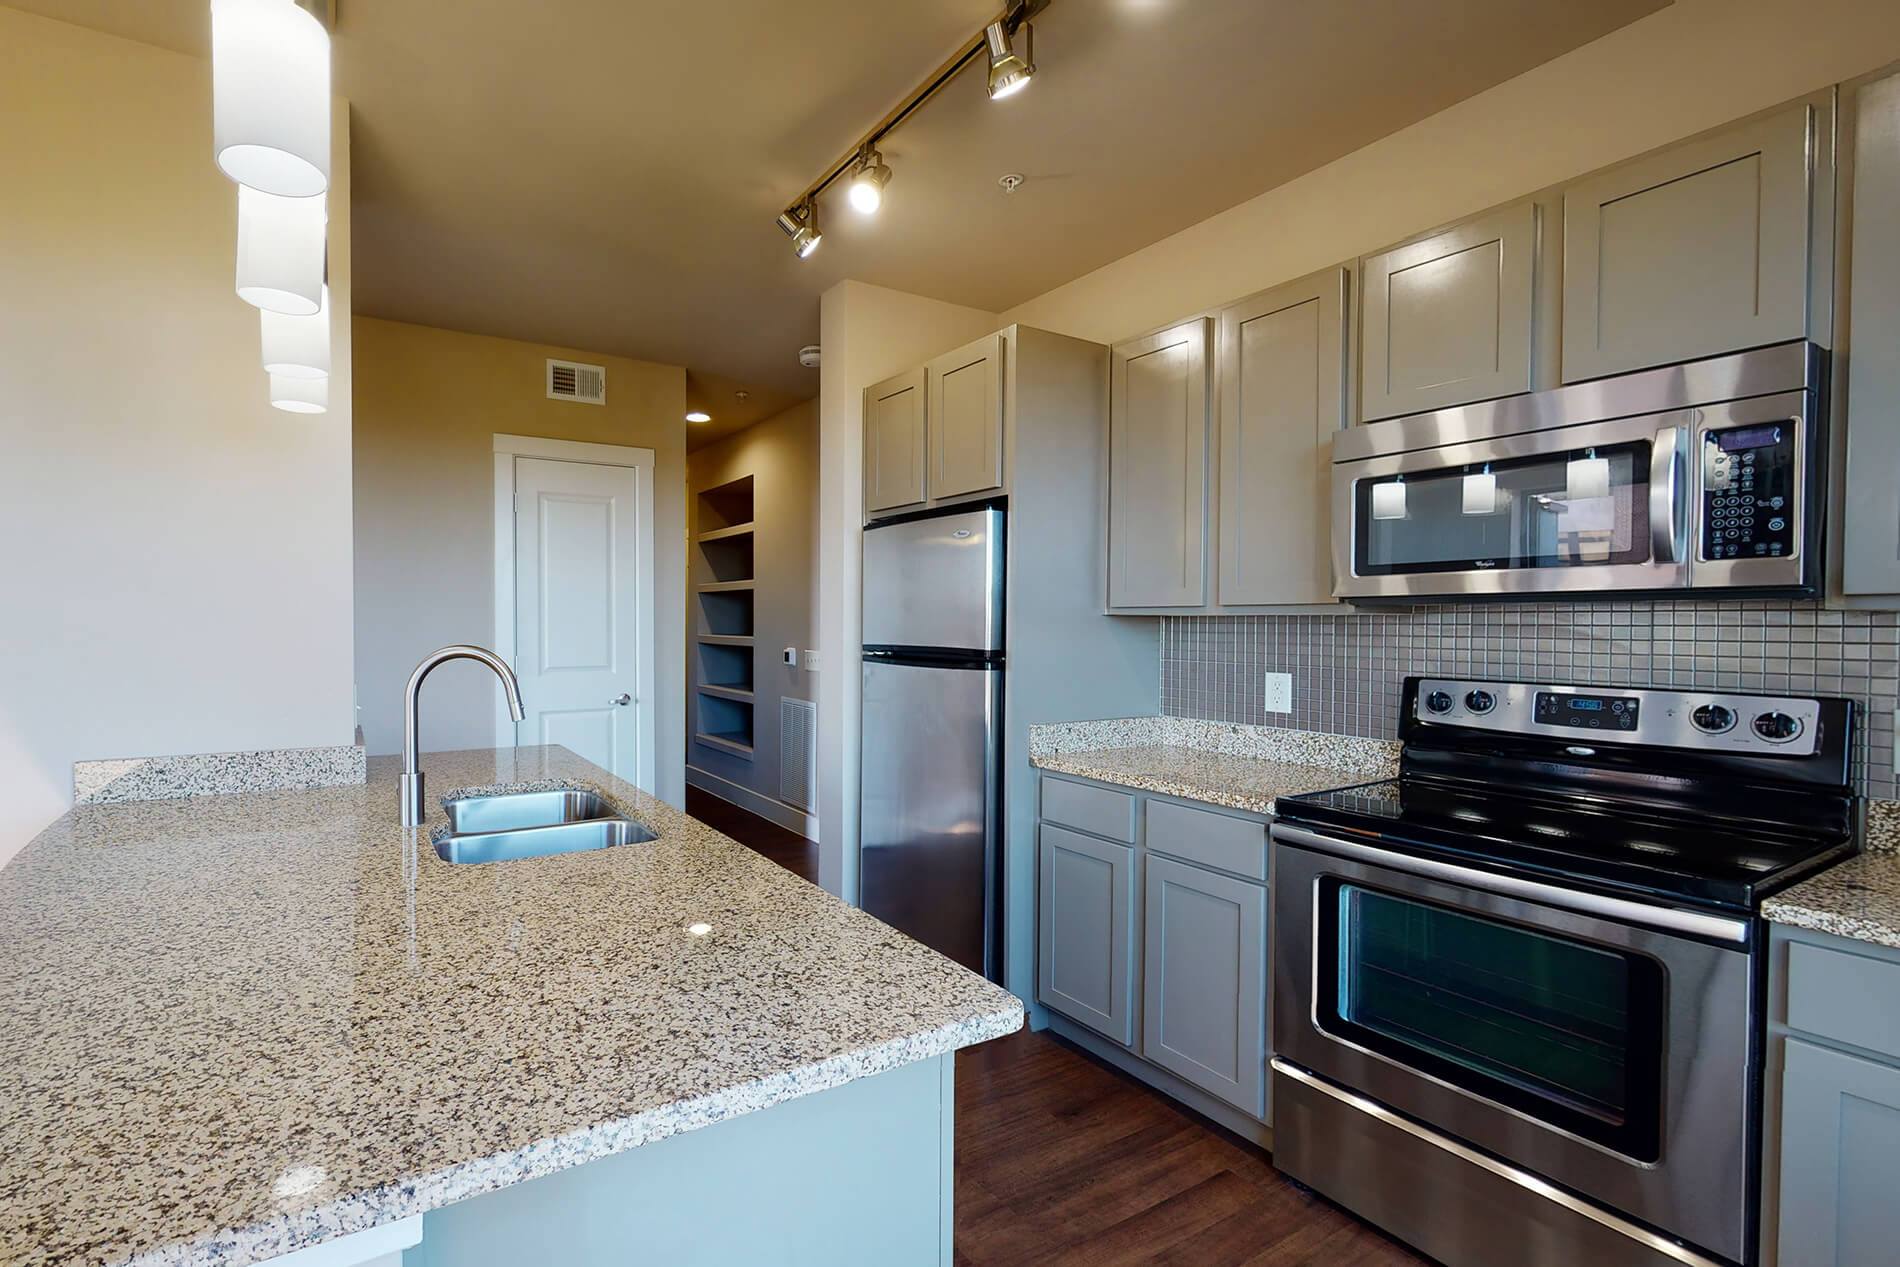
605	175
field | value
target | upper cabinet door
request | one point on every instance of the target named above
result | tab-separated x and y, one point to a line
1693	252
1282	379
1870	517
1157	469
894	443
1447	320
966	419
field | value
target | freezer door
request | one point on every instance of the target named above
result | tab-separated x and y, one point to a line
935	582
930	806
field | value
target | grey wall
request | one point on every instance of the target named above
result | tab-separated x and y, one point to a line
1347	670
781	455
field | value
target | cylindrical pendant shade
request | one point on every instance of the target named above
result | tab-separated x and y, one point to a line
300	395
270	81
297	347
280	251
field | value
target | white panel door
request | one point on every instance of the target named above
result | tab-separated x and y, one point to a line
578	561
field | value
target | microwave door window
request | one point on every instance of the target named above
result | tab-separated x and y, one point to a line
1583	509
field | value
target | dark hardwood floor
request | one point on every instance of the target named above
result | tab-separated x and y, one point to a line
1061	1159
787	848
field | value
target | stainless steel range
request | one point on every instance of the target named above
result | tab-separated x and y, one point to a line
1517	990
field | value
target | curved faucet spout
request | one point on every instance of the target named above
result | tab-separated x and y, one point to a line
409	785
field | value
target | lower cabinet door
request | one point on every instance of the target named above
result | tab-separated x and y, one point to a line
1085	931
1840	1152
1204	980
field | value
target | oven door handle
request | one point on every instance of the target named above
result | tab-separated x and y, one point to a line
1665	495
1663	918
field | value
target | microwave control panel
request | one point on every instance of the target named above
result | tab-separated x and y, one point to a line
1748	492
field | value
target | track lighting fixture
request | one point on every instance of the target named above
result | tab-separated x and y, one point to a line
1009	73
867	183
1006	46
801	226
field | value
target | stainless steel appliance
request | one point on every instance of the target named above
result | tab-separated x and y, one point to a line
930	821
1704	476
1516	990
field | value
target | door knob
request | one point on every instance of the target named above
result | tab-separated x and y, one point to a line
623	699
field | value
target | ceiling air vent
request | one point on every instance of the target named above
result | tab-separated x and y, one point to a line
570	380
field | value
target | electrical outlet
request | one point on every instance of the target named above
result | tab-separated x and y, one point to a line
790	656
1279	692
811	660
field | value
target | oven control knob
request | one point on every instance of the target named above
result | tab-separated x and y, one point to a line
1713	718
1777	727
1438	702
1481	701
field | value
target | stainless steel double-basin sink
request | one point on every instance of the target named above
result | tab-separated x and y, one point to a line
533	825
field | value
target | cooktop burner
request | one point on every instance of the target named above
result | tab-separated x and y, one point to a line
1712	798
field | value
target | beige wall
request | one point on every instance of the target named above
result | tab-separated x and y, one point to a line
177	562
781	456
1682	70
868	333
428	405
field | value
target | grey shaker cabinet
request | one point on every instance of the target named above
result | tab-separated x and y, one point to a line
1282	397
964	416
1449	319
1204	987
894	425
1157	473
1870	532
1085	931
1840	1153
1691	252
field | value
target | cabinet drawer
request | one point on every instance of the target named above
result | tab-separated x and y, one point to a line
1847	997
1212	839
1088	808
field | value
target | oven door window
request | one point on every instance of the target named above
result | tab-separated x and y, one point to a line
1564	1031
1584	508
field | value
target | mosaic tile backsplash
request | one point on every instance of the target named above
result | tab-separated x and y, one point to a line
1348	670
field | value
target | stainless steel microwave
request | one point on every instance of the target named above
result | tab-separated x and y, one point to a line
1692	478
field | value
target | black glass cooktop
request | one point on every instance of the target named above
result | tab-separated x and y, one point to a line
1601	844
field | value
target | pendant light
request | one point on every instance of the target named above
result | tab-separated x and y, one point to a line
1388	500
280	251
1587	477
1009	72
299	395
270	78
1481	492
297	347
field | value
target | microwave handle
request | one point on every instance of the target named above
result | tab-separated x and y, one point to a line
1666	476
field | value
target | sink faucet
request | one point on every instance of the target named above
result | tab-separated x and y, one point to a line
409	786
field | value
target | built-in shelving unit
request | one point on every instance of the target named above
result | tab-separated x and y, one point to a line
724	583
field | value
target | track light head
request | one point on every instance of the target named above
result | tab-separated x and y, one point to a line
1009	72
867	183
800	224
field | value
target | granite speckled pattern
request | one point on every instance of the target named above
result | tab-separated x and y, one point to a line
241	1025
1859	898
1372	758
1881	832
1196	774
216	774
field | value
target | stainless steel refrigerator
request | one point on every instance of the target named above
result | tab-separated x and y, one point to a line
930	820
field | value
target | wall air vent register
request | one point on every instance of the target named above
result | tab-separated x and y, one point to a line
570	380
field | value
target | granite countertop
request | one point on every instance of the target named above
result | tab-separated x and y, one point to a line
1199	774
1858	898
240	1025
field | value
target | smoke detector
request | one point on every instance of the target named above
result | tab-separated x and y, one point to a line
808	356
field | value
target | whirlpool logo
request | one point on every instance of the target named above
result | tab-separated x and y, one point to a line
1484	563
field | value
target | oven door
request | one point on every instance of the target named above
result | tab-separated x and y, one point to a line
1596	507
1599	1043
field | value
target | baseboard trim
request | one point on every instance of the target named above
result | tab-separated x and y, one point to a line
1214	1109
790	817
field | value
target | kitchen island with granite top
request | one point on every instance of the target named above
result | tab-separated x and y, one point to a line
243	1026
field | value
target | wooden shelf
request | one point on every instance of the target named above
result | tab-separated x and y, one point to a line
726	640
721	534
729	745
738	693
728	587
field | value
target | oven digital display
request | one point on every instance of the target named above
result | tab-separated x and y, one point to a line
1586	712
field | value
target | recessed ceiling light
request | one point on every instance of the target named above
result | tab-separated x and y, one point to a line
1009	73
697	416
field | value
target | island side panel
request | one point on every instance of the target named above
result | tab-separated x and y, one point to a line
859	1174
